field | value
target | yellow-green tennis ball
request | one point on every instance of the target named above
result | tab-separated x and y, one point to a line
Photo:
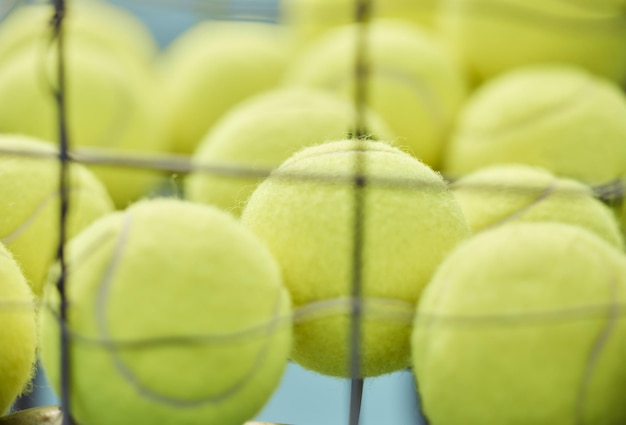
309	19
560	118
18	331
177	314
111	106
29	203
88	19
524	324
305	213
502	194
212	67
412	82
495	36
258	135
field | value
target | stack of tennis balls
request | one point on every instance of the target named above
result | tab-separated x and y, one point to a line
177	314
305	213
30	203
524	324
501	194
412	81
309	19
111	103
18	331
495	36
212	67
561	118
261	133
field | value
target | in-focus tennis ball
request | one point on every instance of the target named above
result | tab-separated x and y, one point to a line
524	324
309	19
110	106
560	118
18	331
178	317
305	213
502	194
102	23
412	83
212	67
261	133
495	36
29	203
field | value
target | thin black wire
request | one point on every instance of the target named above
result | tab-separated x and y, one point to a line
64	160
361	69
611	192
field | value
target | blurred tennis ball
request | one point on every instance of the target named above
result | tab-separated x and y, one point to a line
103	24
305	213
309	19
502	194
177	315
212	67
494	36
18	331
111	106
523	324
412	83
29	203
556	117
261	133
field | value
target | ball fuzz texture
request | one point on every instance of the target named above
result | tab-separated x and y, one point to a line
503	194
30	203
259	134
524	324
305	213
557	117
177	315
18	331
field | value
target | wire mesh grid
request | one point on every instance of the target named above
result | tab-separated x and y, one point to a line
353	304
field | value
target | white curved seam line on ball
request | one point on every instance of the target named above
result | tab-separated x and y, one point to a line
549	113
596	352
31	218
546	193
111	346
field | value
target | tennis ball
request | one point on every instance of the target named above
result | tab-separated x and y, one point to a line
560	118
309	19
18	332
29	203
413	84
261	133
201	336
523	324
502	194
494	36
88	19
212	67
305	213
110	107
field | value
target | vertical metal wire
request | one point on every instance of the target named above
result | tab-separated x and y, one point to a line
59	94
363	10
